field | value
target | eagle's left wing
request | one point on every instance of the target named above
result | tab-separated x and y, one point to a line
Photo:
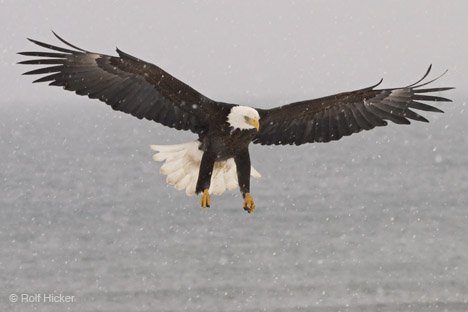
332	117
125	83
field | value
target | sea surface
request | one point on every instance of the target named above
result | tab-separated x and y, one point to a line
374	222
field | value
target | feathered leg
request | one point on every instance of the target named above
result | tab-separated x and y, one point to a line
243	176
204	178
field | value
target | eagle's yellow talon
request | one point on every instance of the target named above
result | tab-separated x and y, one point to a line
205	199
249	204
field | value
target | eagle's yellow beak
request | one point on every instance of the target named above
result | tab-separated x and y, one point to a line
254	122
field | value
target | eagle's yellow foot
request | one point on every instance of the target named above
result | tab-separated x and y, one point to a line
249	204
205	199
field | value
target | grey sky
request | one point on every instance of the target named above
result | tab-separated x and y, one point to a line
253	52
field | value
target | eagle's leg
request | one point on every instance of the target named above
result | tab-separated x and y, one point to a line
204	178
243	176
205	199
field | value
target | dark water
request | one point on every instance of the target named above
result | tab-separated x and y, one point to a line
375	222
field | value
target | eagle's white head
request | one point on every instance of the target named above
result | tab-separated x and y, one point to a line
243	118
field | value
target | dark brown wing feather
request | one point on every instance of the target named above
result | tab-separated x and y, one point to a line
332	117
126	83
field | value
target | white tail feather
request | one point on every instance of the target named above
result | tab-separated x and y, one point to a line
182	163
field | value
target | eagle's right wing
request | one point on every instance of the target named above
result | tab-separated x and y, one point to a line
332	117
126	83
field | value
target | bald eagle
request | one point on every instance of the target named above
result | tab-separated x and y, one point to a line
219	159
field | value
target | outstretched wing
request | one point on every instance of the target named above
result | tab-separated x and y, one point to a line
332	117
126	83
